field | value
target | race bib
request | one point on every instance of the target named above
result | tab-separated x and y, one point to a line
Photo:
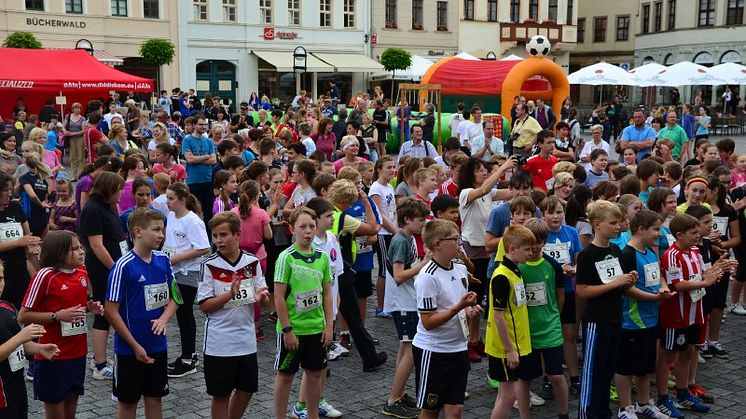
77	327
673	275
697	294
520	294
123	247
536	294
608	270
558	251
549	184
720	224
362	245
17	359
392	214
307	301
652	274
671	239
10	231
156	296
464	323
245	294
168	250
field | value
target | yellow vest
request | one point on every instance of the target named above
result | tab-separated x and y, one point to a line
516	317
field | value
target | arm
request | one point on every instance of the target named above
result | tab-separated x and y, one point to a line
502	331
116	321
205	159
267	231
486	187
593	291
371	227
329	301
432	319
289	339
189	254
288	208
391	228
491	242
735	236
28	333
32	195
84	195
97	246
402	275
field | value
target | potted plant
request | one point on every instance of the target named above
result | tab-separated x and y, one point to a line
391	25
442	28
417	26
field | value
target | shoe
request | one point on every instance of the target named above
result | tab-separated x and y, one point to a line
375	341
408	401
398	410
668	407
466	395
613	395
728	308
691	403
181	369
493	384
480	348
29	374
738	309
700	359
627	413
109	361
105	373
707	352
717	350
536	400
328	411
345	340
575	389
472	352
383	314
195	361
337	351
700	393
649	410
298	413
272	317
547	391
380	360
259	333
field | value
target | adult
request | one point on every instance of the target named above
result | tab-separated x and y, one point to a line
471	129
544	114
416	147
382	122
674	132
73	128
160	136
487	145
119	140
326	141
350	146
199	152
727	99
525	128
574	125
356	115
597	143
428	123
615	113
703	123
689	121
242	119
639	137
564	149
9	159
113	111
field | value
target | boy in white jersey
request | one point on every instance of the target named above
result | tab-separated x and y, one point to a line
231	281
444	304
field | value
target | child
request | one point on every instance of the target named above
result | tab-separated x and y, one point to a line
231	282
425	183
445	207
738	172
597	172
444	305
401	300
160	184
600	281
304	307
440	179
133	168
382	194
64	212
630	158
637	348
141	289
34	190
302	174
58	297
521	209
165	155
225	186
621	239
508	340
696	191
366	170
540	165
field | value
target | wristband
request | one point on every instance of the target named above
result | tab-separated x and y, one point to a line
287	329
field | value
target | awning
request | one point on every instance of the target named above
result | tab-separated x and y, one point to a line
107	58
283	61
349	63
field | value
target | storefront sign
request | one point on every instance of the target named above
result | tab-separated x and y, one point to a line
17	84
287	35
269	34
37	21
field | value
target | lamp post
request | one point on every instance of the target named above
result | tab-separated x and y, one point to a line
85	45
491	56
300	58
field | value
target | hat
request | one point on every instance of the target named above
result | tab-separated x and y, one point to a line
347	141
244	105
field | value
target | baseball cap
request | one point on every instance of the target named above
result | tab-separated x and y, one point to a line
244	105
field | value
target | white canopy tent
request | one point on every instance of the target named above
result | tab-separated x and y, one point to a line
511	57
685	73
732	73
414	72
600	74
466	56
645	72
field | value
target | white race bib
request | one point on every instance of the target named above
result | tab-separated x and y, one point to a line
720	224
17	359
245	294
362	245
156	296
697	294
10	231
652	274
123	247
520	294
464	323
77	327
608	270
536	293
307	301
549	184
558	251
168	250
392	214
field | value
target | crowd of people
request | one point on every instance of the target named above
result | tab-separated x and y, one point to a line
294	220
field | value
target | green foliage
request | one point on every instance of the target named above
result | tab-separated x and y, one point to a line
157	52
22	39
393	59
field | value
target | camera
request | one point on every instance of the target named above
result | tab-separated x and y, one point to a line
520	160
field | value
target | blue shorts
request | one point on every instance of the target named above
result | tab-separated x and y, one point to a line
54	381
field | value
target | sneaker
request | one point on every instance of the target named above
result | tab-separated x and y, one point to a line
649	411
380	360
547	391
299	413
700	359
345	340
717	350
408	401
707	352
375	341
728	308
29	374
328	411
472	352
398	410
575	389
668	407
105	373
109	361
627	413
493	384
613	395
383	314
336	351
536	400
181	369
738	309
700	393
195	361
691	403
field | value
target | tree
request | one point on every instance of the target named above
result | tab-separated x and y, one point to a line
158	52
22	39
393	59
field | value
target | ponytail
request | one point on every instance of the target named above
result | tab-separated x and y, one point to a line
221	178
249	192
34	163
193	205
181	190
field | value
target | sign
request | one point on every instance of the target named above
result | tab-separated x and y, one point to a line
374	38
61	100
625	66
269	34
55	23
287	35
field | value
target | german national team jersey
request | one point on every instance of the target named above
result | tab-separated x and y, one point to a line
143	290
305	276
229	331
439	288
542	278
54	290
507	293
641	314
685	308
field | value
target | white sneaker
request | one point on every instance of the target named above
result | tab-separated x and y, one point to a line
109	361
627	413
728	308
336	351
738	309
105	373
536	400
328	411
650	410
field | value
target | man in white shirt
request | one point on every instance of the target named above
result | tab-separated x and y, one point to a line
456	119
112	113
485	145
473	129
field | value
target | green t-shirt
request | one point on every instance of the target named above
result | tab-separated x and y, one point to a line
542	281
675	134
305	276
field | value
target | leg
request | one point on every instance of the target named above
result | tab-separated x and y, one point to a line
304	385
523	388
643	389
312	392
665	358
100	339
54	410
404	367
504	401
71	405
281	394
693	366
186	322
453	411
380	291
126	410
624	389
349	309
238	404
681	368
735	294
362	303
560	392
219	406
716	323
570	348
429	414
153	408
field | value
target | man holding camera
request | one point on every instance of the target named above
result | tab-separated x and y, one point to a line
525	128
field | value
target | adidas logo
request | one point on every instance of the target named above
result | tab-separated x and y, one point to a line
63	287
142	279
223	275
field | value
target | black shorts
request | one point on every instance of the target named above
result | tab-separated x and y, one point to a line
497	369
382	251
440	377
17	408
133	379
310	355
541	361
363	286
406	324
568	315
223	374
54	381
637	352
679	339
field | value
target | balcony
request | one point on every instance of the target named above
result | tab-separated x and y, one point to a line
520	32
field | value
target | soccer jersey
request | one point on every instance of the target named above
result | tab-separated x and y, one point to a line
12	386
449	187
305	276
143	290
400	297
542	278
53	290
507	293
364	260
685	308
438	289
330	246
563	246
641	314
598	266
541	170
230	330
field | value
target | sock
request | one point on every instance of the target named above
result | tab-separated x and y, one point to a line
300	406
100	366
574	380
563	416
682	392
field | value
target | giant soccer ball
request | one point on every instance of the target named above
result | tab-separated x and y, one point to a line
538	46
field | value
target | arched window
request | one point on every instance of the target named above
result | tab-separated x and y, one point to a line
731	57
704	58
668	60
647	60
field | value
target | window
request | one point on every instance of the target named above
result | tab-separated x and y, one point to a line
569	12
349	13
658	16
200	9
735	12
150	9
645	18
417	15
515	11
74	6
533	9
671	15
325	13
581	30
492	10
468	9
391	18
442	16
706	12
599	29
622	28
293	12
265	11
229	10
552	12
119	7
37	5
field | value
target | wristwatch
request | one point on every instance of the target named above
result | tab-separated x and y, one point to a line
54	316
287	329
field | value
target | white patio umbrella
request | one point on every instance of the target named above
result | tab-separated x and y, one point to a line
600	74
685	73
643	72
732	73
511	57
466	56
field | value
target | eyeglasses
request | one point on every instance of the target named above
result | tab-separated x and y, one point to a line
456	239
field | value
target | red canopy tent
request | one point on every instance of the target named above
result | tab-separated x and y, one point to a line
38	74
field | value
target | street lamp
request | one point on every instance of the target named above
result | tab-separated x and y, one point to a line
300	56
491	56
85	45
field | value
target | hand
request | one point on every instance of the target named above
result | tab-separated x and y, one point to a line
712	275
95	307
235	285
474	312
142	356
290	341
158	326
568	269
47	204
31	332
326	336
71	314
29	240
512	358
469	299
262	295
509	163
740	204
49	350
714	235
361	195
626	280
277	195
664	293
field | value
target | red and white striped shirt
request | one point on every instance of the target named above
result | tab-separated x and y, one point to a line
679	266
449	187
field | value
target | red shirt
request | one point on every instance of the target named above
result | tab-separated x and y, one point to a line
54	290
177	173
679	266
92	138
541	169
449	187
288	188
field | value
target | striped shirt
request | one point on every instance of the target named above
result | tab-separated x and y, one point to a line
678	266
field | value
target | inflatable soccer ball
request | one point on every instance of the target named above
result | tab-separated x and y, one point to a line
538	46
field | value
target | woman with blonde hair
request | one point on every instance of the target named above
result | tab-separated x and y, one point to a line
564	182
119	139
160	135
50	158
216	134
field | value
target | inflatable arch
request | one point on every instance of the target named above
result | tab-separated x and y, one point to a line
532	67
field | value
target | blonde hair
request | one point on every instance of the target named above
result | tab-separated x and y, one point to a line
597	127
115	130
343	192
599	210
36	131
437	230
422	174
161	181
518	235
563	166
35	147
562	179
348	173
34	163
162	126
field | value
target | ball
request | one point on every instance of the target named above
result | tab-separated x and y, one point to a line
538	46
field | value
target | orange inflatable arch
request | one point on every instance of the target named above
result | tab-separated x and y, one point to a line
532	67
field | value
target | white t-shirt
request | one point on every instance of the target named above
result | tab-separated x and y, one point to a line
477	213
388	203
310	145
159	204
588	149
331	248
183	234
151	143
456	119
471	131
461	129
